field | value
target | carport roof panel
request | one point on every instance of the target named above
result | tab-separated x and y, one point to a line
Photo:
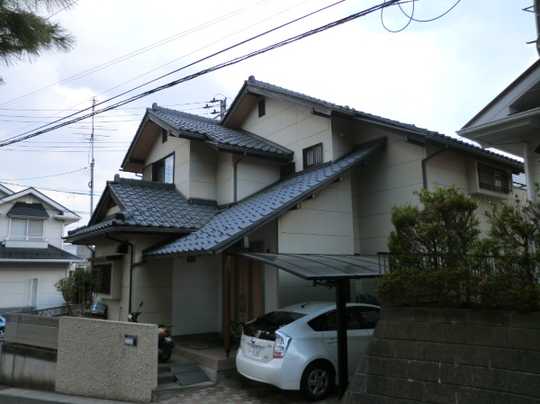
321	266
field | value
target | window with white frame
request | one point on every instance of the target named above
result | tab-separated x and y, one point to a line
26	229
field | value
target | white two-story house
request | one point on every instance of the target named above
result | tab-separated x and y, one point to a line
32	258
228	212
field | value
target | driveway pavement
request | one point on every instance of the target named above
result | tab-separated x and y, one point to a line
236	389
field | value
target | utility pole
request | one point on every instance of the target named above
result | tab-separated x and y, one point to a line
222	107
92	159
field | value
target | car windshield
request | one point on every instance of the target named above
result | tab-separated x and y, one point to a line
265	326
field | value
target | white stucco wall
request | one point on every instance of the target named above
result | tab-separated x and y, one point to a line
292	126
202	172
196	298
322	225
16	285
181	150
52	231
151	282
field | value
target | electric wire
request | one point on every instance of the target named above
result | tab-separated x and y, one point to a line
237	44
45	176
131	54
413	18
405	26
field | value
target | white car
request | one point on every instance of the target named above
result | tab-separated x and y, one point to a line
295	348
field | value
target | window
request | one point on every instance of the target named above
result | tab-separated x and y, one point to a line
361	318
261	105
358	318
313	156
493	179
102	278
163	170
26	229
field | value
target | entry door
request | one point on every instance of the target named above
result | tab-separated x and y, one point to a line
247	290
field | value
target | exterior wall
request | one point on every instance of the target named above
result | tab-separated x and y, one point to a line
151	282
450	356
501	109
323	225
252	175
181	150
451	168
33	283
292	126
196	297
255	174
202	172
225	178
95	361
388	181
52	231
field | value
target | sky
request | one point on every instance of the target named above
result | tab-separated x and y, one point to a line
435	75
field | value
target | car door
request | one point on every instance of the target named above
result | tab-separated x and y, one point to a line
325	328
361	322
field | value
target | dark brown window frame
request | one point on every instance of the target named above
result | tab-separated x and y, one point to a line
261	107
305	155
494	173
162	160
102	286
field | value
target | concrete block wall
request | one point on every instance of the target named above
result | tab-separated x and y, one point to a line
94	360
450	356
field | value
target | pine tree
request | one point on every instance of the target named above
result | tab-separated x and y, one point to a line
25	33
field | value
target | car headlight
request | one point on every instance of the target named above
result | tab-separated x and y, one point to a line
281	344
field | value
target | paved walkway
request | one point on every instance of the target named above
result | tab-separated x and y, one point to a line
236	389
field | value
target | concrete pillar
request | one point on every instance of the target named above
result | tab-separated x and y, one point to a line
532	169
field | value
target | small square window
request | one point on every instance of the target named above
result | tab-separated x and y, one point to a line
313	156
262	107
102	278
493	179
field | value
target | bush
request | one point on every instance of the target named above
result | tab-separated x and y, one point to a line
438	259
78	287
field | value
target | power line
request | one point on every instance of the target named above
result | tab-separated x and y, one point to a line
41	130
46	176
405	26
413	18
75	109
49	189
134	53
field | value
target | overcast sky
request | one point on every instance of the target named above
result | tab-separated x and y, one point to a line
435	75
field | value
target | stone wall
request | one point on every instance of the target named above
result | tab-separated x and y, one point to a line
27	367
450	356
95	360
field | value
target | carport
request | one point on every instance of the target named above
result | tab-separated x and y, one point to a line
332	270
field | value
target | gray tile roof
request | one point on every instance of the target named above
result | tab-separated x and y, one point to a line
212	131
150	204
30	210
233	223
49	253
457	142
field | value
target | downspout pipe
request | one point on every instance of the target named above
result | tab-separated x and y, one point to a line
131	266
424	165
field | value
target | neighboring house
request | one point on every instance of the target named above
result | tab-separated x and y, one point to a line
510	123
283	174
32	259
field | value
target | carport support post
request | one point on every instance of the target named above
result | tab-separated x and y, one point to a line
342	291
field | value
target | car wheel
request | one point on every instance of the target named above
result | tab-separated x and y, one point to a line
317	380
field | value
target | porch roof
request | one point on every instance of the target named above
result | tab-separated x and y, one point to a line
229	226
321	266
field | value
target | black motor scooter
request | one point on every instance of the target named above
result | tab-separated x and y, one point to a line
165	342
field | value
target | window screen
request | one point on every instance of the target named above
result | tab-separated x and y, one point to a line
18	229
35	229
493	179
102	278
313	156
